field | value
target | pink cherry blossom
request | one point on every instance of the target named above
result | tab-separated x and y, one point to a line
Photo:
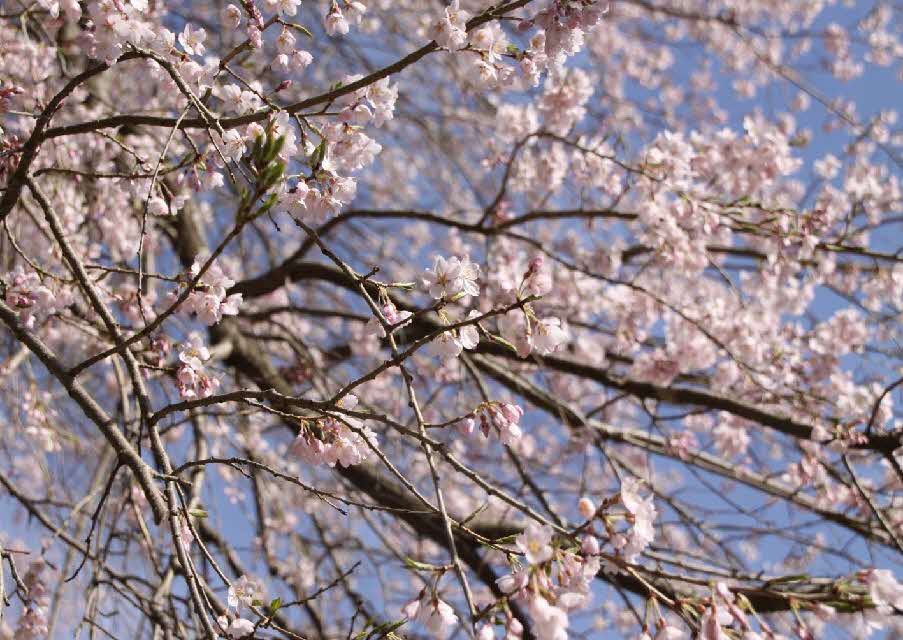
535	543
884	589
192	40
336	23
586	508
435	614
450	276
450	32
193	379
245	591
26	294
550	621
240	628
231	17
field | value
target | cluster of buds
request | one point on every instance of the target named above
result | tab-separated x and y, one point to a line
34	623
8	92
9	159
501	417
330	440
392	315
158	350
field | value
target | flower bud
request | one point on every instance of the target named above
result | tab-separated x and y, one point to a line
466	426
512	412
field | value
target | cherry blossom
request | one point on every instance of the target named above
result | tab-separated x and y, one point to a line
884	589
29	296
535	543
502	418
231	17
34	622
551	622
393	316
450	276
451	30
212	301
336	23
240	628
192	40
643	514
192	377
435	614
245	591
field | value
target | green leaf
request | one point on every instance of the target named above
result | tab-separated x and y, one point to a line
301	28
501	341
258	147
797	577
273	148
506	539
272	175
275	605
419	566
380	631
267	205
197	513
316	158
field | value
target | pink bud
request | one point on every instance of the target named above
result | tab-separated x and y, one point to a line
586	508
515	627
485	633
391	313
411	608
512	412
590	546
466	426
484	425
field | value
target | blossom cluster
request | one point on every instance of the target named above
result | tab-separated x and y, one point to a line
30	297
333	440
344	148
210	301
561	28
192	377
565	22
41	419
34	623
502	418
556	580
431	611
245	591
